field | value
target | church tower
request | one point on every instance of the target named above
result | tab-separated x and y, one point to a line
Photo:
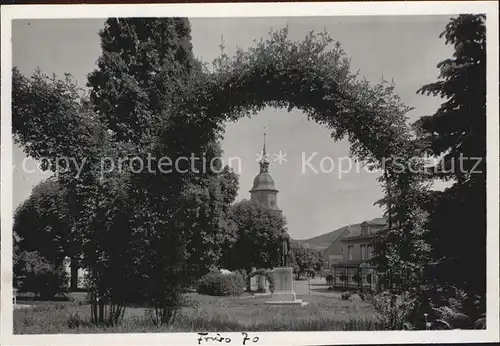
263	191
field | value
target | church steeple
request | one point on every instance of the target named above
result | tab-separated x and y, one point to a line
264	162
263	190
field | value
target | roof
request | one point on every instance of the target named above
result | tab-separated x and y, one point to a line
263	181
356	229
352	263
339	233
380	221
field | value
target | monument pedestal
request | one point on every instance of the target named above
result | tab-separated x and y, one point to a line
283	288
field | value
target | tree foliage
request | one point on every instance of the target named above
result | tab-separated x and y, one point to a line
305	259
218	284
458	127
207	211
457	132
256	244
42	277
43	223
141	231
142	63
41	107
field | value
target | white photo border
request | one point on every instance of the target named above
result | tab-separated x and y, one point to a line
222	10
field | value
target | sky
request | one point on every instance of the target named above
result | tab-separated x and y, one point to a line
315	199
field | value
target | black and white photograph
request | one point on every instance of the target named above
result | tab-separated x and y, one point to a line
208	176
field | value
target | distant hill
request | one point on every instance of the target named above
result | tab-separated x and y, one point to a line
321	242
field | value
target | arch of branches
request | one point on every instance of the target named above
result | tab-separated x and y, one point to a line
314	76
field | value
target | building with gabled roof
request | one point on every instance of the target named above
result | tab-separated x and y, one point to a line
349	256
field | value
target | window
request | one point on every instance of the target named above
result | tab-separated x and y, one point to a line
363	251
364	230
369	250
349	252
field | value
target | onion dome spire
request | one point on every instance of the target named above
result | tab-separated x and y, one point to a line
264	162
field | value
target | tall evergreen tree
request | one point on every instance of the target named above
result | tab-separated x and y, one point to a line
457	132
177	218
142	64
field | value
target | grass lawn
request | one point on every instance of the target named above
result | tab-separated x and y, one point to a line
206	313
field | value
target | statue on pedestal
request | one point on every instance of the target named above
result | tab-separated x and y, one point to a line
284	239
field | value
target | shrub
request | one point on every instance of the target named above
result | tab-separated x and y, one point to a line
356	278
217	284
355	298
329	279
458	312
343	277
345	295
76	321
366	296
41	277
394	310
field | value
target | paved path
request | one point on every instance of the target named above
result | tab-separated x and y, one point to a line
315	287
22	306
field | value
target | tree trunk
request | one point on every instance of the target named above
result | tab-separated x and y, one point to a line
389	199
101	311
74	274
249	280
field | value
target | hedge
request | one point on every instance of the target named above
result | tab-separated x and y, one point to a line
217	284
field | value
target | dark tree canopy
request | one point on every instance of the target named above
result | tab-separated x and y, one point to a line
458	130
142	65
256	243
43	223
305	259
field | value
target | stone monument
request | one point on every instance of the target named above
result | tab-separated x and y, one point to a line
283	276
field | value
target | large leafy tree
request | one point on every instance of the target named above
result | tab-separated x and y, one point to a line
457	133
257	240
305	259
207	211
54	122
43	224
